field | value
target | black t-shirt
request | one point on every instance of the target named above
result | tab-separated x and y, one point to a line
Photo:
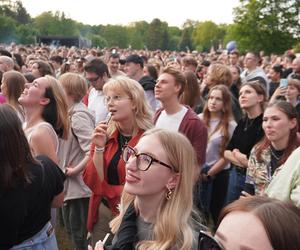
25	209
246	134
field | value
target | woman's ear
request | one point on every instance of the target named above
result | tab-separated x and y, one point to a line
173	181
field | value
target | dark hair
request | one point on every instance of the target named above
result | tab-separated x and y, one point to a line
135	59
235	52
188	60
259	89
178	76
152	71
293	142
29	77
14	149
97	66
114	55
57	59
44	68
278	69
280	219
18	59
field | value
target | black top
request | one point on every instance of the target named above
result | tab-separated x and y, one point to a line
25	209
246	134
112	170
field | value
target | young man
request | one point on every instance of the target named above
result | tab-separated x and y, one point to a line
134	70
96	73
174	116
113	66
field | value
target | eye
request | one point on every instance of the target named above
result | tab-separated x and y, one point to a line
145	159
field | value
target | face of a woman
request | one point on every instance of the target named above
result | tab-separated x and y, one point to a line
33	93
292	93
35	70
276	124
215	101
152	182
235	73
120	105
242	231
3	88
249	98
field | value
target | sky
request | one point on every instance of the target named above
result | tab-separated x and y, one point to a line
123	12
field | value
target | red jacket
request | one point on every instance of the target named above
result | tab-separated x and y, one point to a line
194	129
102	189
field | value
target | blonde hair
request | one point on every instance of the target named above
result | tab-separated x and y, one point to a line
56	112
174	225
143	114
74	85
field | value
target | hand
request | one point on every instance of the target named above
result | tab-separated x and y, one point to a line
280	91
99	246
244	194
70	171
99	137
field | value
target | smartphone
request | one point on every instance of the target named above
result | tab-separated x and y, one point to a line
283	83
108	117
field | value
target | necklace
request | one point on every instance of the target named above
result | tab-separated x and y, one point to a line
276	154
248	123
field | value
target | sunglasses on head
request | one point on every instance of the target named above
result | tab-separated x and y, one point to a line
207	242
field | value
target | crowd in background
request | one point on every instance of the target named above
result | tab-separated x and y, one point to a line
161	149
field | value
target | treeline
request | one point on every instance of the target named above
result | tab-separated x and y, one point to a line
269	25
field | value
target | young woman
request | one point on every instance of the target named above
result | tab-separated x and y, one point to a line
105	172
45	106
236	80
41	68
157	202
73	156
28	189
266	158
247	133
217	116
258	223
13	84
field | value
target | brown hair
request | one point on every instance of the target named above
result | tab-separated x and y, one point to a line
178	76
259	89
226	116
15	84
220	74
293	142
280	219
295	83
191	93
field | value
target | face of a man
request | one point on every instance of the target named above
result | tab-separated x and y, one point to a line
250	61
166	87
233	59
131	69
95	80
296	65
113	64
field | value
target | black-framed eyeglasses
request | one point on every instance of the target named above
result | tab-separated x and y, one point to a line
143	160
207	242
93	79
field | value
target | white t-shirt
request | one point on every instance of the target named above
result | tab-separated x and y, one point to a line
97	105
171	122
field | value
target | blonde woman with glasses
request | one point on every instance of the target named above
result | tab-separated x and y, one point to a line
130	116
157	203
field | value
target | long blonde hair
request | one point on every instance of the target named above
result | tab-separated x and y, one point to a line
174	225
143	115
56	112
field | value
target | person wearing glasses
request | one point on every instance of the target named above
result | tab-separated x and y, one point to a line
96	73
157	202
256	222
105	172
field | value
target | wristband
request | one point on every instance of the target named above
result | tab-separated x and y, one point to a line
99	149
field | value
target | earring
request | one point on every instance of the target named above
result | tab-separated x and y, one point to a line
169	194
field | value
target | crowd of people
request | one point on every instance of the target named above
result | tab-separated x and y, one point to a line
149	149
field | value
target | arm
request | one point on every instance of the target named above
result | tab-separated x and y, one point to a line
71	171
99	139
43	144
228	155
242	158
58	200
217	167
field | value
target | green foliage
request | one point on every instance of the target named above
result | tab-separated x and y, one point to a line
116	35
207	34
269	25
158	37
97	41
26	34
8	29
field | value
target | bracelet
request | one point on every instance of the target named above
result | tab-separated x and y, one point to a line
99	149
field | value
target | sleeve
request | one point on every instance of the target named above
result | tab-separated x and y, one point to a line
231	144
286	184
53	179
83	127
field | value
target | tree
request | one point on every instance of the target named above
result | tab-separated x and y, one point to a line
8	32
116	35
269	25
158	36
205	35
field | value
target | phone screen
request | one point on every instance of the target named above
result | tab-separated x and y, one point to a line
283	83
